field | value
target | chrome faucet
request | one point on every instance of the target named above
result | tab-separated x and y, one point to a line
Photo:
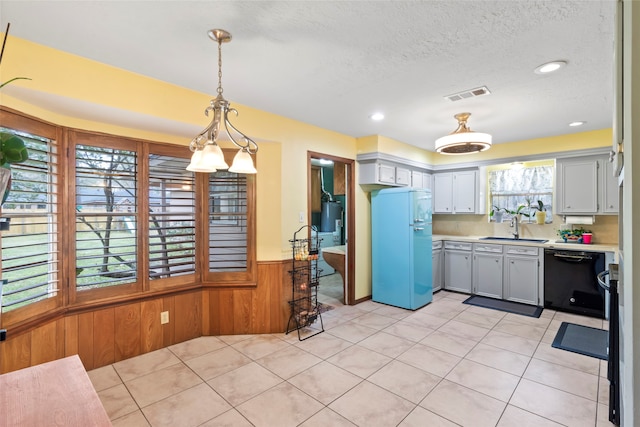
514	223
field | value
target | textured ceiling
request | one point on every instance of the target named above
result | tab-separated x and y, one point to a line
333	63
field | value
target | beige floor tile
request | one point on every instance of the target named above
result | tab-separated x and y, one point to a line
373	320
446	309
549	336
568	359
145	364
602	419
603	390
260	345
406	381
359	360
603	368
516	417
490	381
578	319
393	312
525	331
103	378
560	377
449	343
231	418
327	418
188	408
162	383
476	319
369	305
352	332
408	331
463	406
387	344
324	345
539	322
559	406
426	320
547	312
510	342
464	330
370	405
282	406
218	362
289	361
420	417
242	384
429	359
504	360
325	382
134	419
117	401
455	296
234	339
197	347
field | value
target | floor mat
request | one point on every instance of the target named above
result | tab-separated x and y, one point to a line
583	340
502	305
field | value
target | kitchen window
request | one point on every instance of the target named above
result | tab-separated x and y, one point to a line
514	188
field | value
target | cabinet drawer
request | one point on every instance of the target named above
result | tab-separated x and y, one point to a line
522	250
484	247
437	244
461	246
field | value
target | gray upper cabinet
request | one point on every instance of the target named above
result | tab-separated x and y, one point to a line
454	192
585	185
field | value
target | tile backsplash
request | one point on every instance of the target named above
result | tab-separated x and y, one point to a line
604	228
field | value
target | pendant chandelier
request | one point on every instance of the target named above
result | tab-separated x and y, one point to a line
463	140
207	155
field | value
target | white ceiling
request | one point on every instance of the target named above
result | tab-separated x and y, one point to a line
333	63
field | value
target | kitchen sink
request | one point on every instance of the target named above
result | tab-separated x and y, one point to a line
513	239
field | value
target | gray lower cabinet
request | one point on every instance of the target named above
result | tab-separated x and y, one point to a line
522	277
487	270
457	266
436	265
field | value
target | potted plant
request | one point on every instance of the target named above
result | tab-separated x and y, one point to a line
541	214
12	150
498	213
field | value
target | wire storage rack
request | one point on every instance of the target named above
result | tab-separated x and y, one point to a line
305	309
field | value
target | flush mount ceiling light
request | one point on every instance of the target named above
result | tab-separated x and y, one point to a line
550	67
463	140
207	154
573	124
376	117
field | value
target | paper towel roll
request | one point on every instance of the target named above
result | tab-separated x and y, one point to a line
579	219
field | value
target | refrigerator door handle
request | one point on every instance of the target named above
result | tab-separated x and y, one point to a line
418	228
418	220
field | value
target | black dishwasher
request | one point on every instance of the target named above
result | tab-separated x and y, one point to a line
571	284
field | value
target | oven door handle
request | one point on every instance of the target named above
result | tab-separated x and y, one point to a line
573	258
601	281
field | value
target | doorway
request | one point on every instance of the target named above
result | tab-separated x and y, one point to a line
331	208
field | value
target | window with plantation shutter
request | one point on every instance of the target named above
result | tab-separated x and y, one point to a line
227	222
172	217
30	250
106	216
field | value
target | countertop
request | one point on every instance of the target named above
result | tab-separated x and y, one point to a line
551	244
340	250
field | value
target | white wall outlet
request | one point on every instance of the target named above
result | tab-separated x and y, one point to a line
301	217
164	317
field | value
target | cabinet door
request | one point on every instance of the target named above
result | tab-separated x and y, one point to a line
386	174
442	192
427	179
457	271
577	186
436	260
464	192
521	279
487	275
403	176
610	187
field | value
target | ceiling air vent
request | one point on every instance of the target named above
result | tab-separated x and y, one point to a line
468	93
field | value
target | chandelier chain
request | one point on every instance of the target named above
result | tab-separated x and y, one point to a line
219	66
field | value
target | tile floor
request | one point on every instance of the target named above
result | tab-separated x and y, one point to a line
446	364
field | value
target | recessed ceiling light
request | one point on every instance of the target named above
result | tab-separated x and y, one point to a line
576	123
376	117
550	67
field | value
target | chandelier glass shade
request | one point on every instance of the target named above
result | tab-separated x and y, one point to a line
463	140
207	155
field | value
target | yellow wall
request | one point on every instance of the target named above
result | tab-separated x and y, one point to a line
282	156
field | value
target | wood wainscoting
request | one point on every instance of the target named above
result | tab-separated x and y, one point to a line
110	334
